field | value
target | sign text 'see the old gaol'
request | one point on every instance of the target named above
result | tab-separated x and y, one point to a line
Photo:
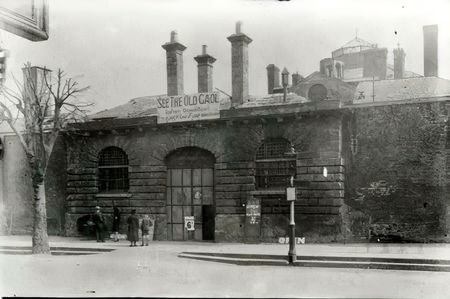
188	107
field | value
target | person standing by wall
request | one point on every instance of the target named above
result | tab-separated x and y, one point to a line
99	222
133	228
145	227
116	223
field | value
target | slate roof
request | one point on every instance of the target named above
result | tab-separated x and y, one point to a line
406	74
401	89
141	107
274	100
137	107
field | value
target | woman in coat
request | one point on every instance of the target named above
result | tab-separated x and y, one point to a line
133	228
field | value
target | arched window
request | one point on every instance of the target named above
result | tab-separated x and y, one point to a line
317	92
330	71
338	70
275	164
113	170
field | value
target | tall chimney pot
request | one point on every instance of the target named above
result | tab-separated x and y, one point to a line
238	27
273	78
296	78
173	36
430	50
399	63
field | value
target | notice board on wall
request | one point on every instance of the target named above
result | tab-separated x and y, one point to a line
252	220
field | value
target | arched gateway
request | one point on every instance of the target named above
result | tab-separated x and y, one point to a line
190	192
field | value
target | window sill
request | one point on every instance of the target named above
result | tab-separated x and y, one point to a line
269	192
117	195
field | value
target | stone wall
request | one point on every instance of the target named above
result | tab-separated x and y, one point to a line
398	178
234	144
18	209
55	188
18	192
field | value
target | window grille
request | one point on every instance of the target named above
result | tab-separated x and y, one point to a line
113	170
317	92
274	205
274	165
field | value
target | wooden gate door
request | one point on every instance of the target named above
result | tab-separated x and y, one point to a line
190	188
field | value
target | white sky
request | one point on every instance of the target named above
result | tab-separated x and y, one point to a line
115	46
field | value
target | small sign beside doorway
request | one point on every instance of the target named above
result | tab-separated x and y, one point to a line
189	223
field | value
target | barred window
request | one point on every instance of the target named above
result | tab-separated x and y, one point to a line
113	170
317	92
274	164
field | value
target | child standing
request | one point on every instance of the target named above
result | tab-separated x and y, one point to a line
145	227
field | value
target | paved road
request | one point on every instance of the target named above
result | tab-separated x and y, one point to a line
157	270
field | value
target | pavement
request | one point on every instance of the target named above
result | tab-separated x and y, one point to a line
200	269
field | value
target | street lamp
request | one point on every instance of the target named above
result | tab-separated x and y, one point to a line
291	196
284	82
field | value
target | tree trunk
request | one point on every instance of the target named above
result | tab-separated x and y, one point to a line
40	236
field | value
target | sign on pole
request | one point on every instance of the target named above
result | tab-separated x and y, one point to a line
290	193
189	223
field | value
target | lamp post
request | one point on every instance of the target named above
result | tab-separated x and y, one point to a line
284	82
291	196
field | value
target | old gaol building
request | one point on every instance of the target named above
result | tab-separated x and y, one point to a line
365	141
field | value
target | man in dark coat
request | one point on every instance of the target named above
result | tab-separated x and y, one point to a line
99	222
133	228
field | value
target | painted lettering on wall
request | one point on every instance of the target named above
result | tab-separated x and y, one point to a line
188	107
253	211
298	240
376	189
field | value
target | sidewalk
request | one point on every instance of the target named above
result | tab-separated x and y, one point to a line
203	269
380	250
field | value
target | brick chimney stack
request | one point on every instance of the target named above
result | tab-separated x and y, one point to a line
273	78
34	82
174	58
205	71
399	63
430	50
296	78
239	65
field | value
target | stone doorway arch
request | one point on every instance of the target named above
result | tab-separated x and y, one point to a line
190	192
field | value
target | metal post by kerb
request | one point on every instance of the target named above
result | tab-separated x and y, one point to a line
291	196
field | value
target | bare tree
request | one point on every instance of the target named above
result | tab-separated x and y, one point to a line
46	104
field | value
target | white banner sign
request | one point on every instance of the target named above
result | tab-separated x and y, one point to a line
188	107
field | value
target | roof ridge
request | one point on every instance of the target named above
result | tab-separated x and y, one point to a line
358	40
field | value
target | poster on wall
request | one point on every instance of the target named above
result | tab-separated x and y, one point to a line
189	107
252	220
189	223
